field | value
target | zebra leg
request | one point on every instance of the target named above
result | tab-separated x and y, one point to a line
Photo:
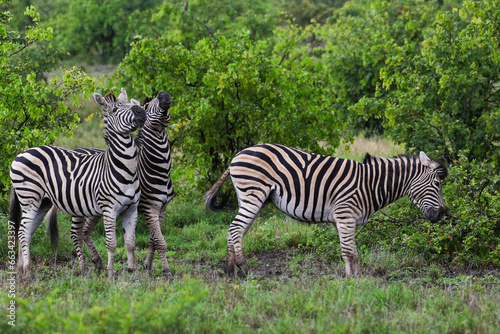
166	269
157	242
148	262
77	238
231	256
88	227
110	230
129	222
346	227
31	220
237	230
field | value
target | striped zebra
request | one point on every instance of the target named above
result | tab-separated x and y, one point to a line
154	164
104	184
317	188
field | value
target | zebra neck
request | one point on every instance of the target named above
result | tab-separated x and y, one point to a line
122	147
153	135
387	180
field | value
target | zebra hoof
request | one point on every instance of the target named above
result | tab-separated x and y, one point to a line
229	271
167	273
26	277
146	266
98	265
84	272
111	275
242	272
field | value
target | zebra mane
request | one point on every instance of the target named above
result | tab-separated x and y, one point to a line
368	159
139	138
437	165
110	98
440	167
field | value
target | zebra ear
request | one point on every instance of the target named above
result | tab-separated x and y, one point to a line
123	98
101	101
424	159
134	101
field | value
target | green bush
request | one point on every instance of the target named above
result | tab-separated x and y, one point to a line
444	99
32	112
228	95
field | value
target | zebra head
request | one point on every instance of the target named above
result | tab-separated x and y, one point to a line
158	116
120	116
425	189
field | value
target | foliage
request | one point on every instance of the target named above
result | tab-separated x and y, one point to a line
467	236
445	98
348	52
97	31
188	23
31	112
228	95
101	32
304	11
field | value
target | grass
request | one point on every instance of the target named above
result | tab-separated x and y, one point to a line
135	303
291	288
375	146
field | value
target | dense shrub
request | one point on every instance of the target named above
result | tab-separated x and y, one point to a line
229	95
445	98
32	111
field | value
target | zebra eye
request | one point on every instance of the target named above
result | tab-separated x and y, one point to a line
437	183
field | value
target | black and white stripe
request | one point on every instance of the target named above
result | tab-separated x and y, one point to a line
82	185
157	190
317	188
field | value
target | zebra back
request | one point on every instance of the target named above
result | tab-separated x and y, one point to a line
76	182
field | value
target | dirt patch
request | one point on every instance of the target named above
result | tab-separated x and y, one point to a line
281	265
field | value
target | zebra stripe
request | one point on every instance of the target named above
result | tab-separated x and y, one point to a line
154	164
317	188
104	184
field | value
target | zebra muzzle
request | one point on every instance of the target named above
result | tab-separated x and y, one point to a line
165	100
139	115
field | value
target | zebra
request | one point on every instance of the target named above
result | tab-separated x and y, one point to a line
104	184
317	188
154	164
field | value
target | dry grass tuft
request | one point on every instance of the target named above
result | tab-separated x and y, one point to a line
375	146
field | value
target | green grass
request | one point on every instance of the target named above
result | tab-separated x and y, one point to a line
136	303
291	288
88	133
375	146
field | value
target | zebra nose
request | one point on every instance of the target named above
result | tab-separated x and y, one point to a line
140	115
439	213
165	100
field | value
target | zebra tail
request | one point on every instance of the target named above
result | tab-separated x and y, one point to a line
52	229
211	202
15	212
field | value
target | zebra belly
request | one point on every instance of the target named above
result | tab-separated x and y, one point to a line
299	211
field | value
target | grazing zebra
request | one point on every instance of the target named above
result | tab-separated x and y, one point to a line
154	163
104	184
317	188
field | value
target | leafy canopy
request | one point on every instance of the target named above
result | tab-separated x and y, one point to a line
229	95
32	112
445	98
